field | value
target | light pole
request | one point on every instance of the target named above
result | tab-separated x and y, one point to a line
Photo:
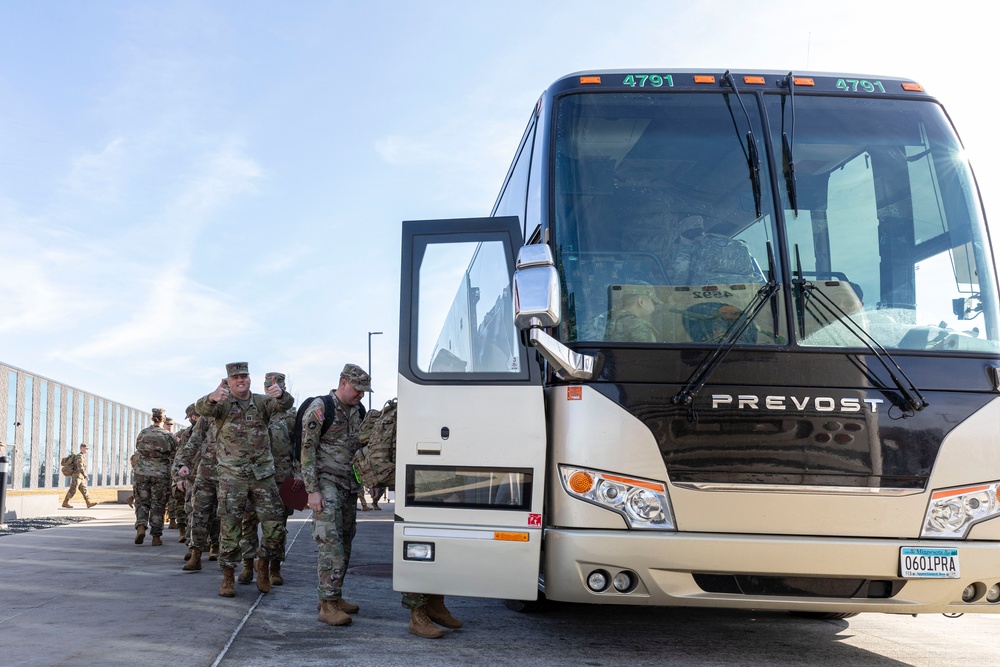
370	334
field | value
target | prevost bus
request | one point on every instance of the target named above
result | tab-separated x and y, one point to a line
804	412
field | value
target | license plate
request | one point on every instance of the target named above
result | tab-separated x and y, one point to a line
927	563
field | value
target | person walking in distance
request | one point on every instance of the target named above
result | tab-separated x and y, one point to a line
78	480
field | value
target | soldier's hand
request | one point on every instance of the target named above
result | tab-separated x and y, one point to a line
183	471
274	391
316	501
221	392
182	484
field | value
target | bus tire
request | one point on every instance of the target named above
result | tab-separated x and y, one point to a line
528	606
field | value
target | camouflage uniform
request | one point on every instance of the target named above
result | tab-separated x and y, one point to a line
629	327
154	448
78	480
326	468
199	455
246	470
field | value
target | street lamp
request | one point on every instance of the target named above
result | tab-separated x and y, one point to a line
370	334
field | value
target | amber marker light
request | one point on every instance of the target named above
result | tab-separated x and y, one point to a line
510	537
704	78
635	482
581	482
803	81
912	87
957	492
590	79
755	80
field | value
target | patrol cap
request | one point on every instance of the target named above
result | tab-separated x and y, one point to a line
159	412
357	377
647	291
274	378
169	421
690	227
237	368
190	411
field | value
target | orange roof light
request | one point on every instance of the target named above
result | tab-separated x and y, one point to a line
704	78
758	80
913	87
590	79
803	81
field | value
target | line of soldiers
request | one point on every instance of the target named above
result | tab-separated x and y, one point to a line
227	469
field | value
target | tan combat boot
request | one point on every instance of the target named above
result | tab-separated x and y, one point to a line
213	552
364	506
246	574
276	578
194	562
157	542
184	529
263	575
140	534
437	612
331	614
421	626
348	607
228	587
375	506
90	504
67	505
173	524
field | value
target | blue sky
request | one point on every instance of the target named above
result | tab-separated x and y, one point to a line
184	184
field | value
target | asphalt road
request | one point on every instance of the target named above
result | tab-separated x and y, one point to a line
84	594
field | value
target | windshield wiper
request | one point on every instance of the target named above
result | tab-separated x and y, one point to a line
914	399
750	151
698	379
787	140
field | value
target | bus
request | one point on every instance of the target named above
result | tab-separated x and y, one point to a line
727	339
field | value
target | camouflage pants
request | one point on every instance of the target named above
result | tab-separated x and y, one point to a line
151	502
414	600
175	504
249	540
334	529
204	524
234	494
77	482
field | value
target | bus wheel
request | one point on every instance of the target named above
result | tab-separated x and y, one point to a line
528	606
823	615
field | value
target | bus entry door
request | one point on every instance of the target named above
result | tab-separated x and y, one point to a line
470	452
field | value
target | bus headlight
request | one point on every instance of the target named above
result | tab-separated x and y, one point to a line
952	512
643	502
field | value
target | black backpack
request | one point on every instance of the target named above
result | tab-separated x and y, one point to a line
328	408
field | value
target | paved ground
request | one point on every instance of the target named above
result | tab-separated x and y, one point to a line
84	594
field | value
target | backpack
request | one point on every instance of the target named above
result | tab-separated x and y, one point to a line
66	465
328	408
375	463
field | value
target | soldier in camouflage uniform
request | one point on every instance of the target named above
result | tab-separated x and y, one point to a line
199	455
183	491
333	487
175	497
245	468
632	323
154	447
284	467
78	480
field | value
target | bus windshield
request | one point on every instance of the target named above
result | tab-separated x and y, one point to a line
666	227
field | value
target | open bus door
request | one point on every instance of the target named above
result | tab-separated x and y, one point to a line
470	453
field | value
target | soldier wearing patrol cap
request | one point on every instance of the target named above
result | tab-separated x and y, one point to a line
245	468
154	449
633	320
332	486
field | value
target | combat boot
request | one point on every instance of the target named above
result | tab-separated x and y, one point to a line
437	612
421	626
194	562
263	575
90	504
331	614
157	542
187	556
131	501
184	529
364	506
348	607
173	524
213	552
375	506
246	574
276	578
140	534
228	587
67	505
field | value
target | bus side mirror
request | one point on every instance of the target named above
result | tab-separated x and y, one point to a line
537	295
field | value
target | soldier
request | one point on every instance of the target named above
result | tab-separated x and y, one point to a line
632	323
174	504
199	455
179	496
154	447
333	488
425	608
245	468
78	480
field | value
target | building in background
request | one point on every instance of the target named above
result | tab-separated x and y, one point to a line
43	420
